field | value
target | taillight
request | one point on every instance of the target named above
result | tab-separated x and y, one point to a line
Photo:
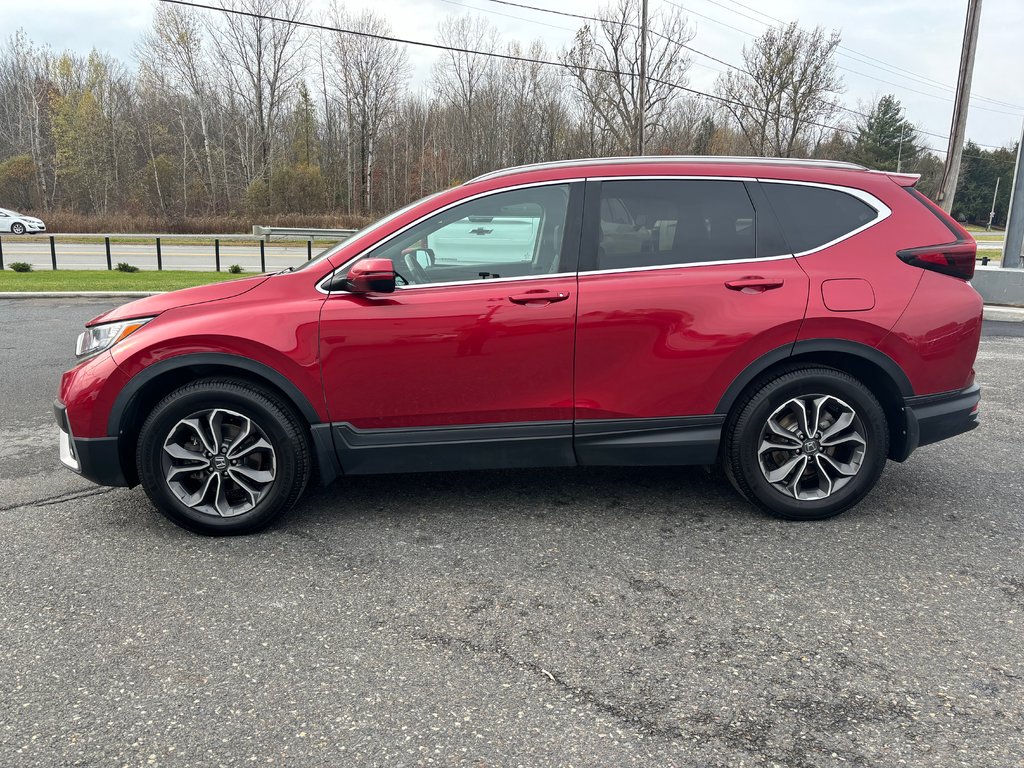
955	259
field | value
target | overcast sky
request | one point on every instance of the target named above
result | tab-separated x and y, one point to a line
920	36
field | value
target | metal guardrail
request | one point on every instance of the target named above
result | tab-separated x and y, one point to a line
261	234
268	232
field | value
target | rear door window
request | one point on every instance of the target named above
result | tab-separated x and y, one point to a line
815	216
665	222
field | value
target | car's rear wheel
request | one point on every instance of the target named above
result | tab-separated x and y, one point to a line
18	228
223	457
807	444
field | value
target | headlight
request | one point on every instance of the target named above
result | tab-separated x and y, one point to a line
94	340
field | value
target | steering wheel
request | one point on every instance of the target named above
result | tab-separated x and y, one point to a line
419	274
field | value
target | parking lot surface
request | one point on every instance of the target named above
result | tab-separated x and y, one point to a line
603	617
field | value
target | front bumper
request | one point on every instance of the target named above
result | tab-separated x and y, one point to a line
95	458
931	418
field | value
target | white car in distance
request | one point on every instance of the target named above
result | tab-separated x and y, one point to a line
19	223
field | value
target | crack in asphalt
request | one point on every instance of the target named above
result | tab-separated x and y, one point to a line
49	501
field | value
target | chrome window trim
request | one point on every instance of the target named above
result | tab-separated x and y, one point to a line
396	233
884	211
881	208
483	280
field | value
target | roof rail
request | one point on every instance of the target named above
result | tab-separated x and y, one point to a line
670	159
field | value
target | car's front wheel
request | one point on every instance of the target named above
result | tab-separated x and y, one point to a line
223	457
807	444
18	228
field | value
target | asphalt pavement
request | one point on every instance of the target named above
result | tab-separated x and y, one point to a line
605	617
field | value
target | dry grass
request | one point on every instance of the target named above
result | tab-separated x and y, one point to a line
63	221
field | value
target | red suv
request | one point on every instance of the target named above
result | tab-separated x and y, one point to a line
795	322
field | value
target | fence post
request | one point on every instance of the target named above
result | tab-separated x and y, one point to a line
106	246
53	252
1	253
159	256
309	249
263	256
216	251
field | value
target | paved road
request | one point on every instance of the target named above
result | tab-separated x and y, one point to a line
611	617
192	257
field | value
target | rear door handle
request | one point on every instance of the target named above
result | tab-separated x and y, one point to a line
539	296
754	284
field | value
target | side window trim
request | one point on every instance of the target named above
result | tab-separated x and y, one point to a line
575	190
884	211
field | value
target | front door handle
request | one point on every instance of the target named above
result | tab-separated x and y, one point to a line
539	297
754	284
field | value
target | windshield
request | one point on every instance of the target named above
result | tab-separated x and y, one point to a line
368	228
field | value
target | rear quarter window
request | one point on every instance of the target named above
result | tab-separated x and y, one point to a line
814	216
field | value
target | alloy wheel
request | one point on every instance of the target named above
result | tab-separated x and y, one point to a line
219	462
811	447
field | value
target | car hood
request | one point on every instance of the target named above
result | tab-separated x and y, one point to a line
154	305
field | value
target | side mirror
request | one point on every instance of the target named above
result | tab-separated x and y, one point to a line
371	276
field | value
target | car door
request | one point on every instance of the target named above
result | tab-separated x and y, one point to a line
468	364
669	317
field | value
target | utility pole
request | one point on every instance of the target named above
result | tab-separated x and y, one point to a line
1015	220
992	210
899	155
641	140
947	190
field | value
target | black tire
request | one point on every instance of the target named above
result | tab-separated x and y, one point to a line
280	425
18	228
743	435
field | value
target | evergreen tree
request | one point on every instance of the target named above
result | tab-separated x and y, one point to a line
978	172
886	140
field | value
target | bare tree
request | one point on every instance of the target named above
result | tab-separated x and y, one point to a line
464	81
172	54
262	65
788	84
612	94
371	78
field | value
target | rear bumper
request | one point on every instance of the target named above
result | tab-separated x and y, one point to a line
931	418
95	458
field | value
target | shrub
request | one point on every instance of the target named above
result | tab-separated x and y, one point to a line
20	266
235	269
124	266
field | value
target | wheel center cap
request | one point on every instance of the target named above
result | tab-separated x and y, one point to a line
810	446
220	463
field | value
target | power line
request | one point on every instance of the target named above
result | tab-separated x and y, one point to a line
881	63
845	68
493	54
850	52
509	15
601	20
834	105
497	55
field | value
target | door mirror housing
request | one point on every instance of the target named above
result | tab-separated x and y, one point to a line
371	276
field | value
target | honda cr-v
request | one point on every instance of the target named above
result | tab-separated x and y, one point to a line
797	323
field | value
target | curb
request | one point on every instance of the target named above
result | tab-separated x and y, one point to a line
77	294
1004	314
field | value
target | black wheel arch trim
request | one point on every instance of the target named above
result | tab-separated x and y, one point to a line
146	375
811	346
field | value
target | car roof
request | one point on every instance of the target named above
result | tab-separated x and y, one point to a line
675	162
